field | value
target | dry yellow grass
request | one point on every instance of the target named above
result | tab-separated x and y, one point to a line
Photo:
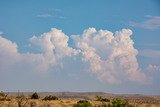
39	103
58	103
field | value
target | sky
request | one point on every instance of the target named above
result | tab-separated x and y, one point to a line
108	46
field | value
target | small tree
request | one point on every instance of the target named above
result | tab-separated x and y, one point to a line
83	103
34	96
118	102
3	96
99	98
50	97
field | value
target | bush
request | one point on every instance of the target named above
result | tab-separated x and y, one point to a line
83	103
118	102
3	96
99	98
50	97
34	96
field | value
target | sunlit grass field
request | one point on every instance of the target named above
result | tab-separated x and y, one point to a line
60	103
35	100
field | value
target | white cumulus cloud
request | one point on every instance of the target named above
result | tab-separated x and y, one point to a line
54	42
53	48
111	56
8	54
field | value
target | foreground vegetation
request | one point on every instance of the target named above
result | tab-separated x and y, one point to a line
34	100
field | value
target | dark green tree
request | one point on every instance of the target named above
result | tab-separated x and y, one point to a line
34	96
99	98
50	97
3	96
118	102
83	103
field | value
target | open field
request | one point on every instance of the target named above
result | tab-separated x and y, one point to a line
62	103
68	99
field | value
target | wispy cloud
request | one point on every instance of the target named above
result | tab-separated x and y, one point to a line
44	15
153	68
149	53
152	58
53	13
50	16
1	32
150	44
55	10
153	22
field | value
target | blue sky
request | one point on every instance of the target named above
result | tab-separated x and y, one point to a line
21	20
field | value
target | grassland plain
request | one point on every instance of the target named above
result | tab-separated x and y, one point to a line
62	103
68	99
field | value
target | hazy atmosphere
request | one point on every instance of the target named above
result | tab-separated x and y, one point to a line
108	46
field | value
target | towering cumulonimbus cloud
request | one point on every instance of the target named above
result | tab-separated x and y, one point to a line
111	57
54	42
53	47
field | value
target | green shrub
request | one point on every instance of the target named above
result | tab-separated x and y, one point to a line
99	98
118	102
34	96
50	97
3	96
83	103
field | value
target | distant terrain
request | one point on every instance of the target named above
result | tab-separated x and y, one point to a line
91	96
68	99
